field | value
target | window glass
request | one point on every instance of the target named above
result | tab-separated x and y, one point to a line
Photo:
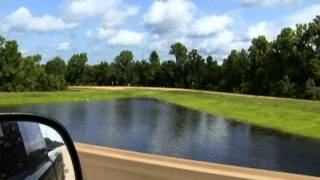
12	152
37	152
34	136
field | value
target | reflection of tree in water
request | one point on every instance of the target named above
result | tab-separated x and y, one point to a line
183	116
180	122
124	112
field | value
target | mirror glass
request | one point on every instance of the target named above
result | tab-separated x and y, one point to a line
30	150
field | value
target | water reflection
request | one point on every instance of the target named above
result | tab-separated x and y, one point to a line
157	127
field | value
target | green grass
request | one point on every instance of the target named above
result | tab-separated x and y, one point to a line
297	117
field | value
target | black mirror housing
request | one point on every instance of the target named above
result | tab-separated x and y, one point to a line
53	124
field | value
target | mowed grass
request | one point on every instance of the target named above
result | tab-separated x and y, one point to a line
296	117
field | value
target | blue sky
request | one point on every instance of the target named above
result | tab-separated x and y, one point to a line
102	28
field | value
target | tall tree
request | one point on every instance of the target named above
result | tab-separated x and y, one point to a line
235	68
213	74
56	66
195	68
76	68
31	70
168	74
261	66
123	62
181	54
154	68
314	31
154	58
10	60
101	73
313	34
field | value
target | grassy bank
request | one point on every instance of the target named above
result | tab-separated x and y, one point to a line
298	117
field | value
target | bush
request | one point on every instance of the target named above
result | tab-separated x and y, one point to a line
312	91
284	88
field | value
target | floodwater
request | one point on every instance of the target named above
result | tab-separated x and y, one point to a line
157	127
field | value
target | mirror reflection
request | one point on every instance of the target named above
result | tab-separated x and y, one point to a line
33	151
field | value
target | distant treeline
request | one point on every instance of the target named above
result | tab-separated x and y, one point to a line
288	66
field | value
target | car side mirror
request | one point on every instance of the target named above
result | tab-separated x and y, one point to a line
36	147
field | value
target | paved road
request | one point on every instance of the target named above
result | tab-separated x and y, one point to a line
182	90
107	163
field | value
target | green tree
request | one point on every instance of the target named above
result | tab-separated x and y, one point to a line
311	90
113	74
154	58
195	68
213	74
154	69
30	73
313	44
76	69
2	41
55	70
123	62
261	68
142	73
181	54
168	74
10	60
284	88
314	33
56	66
286	55
235	69
102	73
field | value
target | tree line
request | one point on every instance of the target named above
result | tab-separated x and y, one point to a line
288	66
18	73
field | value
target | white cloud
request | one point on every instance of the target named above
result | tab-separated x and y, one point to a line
238	45
269	3
88	33
267	29
221	44
160	44
114	11
64	46
103	33
126	38
116	17
118	37
22	20
305	15
210	25
163	42
218	44
80	10
165	16
173	21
